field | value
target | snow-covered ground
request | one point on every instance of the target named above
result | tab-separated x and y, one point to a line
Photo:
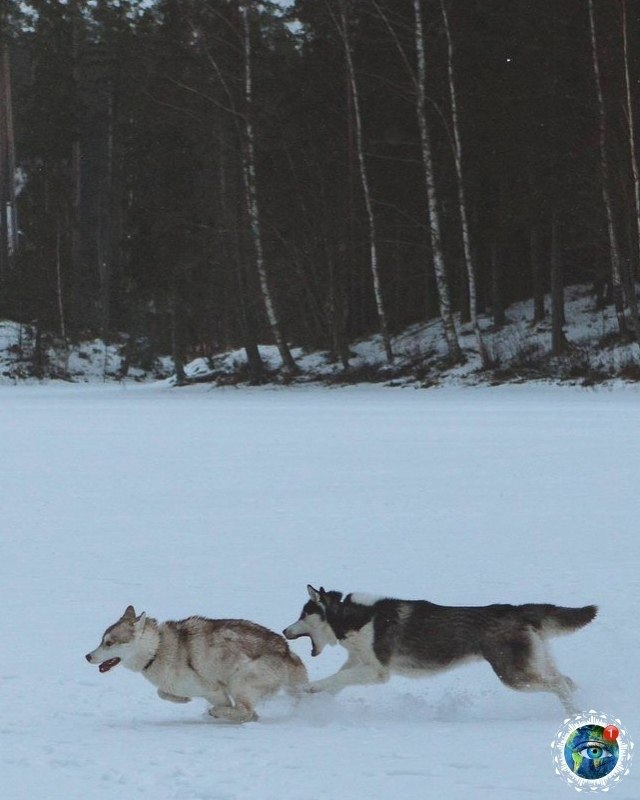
228	502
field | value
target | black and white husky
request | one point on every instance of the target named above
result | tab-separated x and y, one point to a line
414	637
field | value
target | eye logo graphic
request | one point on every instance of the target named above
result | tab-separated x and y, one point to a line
589	753
592	752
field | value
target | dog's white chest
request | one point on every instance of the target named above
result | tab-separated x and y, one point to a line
359	643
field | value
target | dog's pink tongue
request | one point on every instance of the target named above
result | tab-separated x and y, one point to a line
108	664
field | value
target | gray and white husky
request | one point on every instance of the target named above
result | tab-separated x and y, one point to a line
415	637
232	663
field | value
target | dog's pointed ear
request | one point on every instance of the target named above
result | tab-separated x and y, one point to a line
141	620
129	613
314	594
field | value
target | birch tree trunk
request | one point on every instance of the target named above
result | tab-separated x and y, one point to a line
466	241
558	340
233	249
364	179
535	251
76	173
433	213
632	142
8	238
497	303
176	335
4	200
11	157
105	247
249	173
337	312
614	250
59	287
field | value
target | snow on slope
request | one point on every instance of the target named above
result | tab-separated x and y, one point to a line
227	502
518	351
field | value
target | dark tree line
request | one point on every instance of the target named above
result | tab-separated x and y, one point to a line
201	174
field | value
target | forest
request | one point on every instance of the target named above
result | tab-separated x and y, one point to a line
189	176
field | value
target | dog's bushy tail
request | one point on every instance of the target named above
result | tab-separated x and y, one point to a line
557	620
298	677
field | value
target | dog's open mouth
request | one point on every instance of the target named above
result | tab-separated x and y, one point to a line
108	664
314	650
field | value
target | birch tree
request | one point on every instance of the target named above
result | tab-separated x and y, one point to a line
631	129
535	252
231	245
442	282
8	216
59	285
558	339
253	209
76	161
462	204
614	249
343	29
230	130
497	302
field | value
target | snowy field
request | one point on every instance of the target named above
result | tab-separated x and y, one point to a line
228	502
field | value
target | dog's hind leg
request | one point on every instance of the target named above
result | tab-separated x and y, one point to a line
561	685
240	706
522	662
220	699
248	686
242	711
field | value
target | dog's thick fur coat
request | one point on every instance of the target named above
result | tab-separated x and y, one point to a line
232	663
415	637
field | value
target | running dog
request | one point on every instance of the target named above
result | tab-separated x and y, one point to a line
232	663
415	637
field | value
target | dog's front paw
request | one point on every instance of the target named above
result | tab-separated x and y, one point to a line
314	688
